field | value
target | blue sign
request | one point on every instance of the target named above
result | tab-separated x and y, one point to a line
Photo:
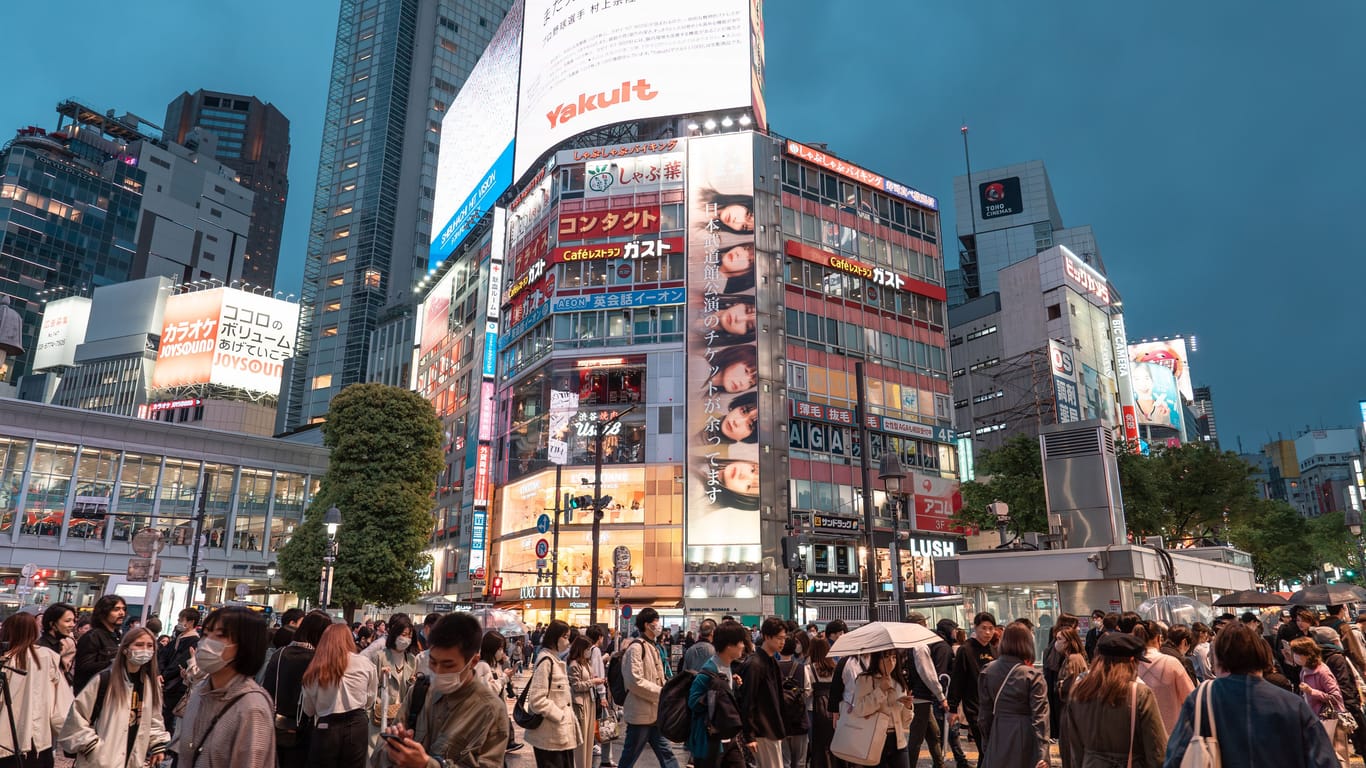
625	611
543	523
491	350
619	300
472	209
532	318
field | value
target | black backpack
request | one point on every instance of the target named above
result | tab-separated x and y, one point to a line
837	687
723	711
616	679
793	698
674	718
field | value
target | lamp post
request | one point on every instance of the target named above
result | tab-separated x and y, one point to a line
597	510
892	474
866	483
1002	512
270	580
333	521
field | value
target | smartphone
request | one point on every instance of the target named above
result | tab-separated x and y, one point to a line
391	737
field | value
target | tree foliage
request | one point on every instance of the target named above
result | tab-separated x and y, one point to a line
1276	539
1014	475
385	445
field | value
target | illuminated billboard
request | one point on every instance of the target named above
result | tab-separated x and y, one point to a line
722	350
226	337
474	164
63	329
1157	396
587	65
1171	355
1065	393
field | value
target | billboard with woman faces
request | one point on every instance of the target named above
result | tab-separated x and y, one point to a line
722	351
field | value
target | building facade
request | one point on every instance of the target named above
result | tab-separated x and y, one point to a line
76	486
253	139
1329	465
396	68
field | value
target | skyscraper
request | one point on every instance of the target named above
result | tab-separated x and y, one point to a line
253	139
396	67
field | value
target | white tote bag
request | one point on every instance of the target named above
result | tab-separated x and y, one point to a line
1203	751
859	740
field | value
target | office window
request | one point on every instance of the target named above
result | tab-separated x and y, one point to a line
322	382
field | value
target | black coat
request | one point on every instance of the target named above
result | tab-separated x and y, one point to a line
761	695
94	651
1342	670
177	658
283	678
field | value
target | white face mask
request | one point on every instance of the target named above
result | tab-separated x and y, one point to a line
208	654
139	657
402	643
446	683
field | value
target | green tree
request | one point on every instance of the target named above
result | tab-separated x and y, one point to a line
1013	474
1189	494
385	445
1276	537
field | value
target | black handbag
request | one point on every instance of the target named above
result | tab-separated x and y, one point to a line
530	720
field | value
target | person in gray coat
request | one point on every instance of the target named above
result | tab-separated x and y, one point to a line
1013	705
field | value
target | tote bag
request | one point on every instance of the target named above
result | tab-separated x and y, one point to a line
1203	751
859	740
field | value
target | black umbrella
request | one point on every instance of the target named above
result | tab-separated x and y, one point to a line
1328	594
1250	598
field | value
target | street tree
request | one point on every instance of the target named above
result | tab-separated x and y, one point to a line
1013	474
1276	537
385	455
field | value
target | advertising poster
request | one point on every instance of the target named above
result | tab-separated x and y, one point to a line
1171	355
474	165
722	352
564	406
1000	198
63	329
587	65
1065	391
1157	398
188	337
1123	380
226	337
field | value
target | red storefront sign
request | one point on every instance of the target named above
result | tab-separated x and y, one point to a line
875	275
626	222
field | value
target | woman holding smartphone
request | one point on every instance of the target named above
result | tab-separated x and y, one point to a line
883	690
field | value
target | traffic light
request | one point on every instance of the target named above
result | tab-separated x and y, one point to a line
792	554
603	502
581	502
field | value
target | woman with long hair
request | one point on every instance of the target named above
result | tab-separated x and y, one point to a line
493	670
283	679
549	696
739	480
729	213
732	323
1013	705
229	719
338	688
1164	674
39	692
1067	643
584	687
820	673
1101	706
737	369
396	669
59	624
882	689
116	719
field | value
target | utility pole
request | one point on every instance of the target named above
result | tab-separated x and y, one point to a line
865	472
555	549
597	510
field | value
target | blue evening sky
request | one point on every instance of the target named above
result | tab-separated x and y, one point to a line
1195	138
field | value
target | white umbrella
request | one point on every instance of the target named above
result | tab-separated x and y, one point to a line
883	635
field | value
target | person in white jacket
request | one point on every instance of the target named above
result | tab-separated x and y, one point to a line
549	696
41	696
97	732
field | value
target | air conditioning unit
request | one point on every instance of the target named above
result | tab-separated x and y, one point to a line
1081	483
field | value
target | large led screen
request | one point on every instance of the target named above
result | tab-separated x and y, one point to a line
722	349
586	65
474	165
226	337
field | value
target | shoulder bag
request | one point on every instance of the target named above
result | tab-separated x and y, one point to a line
520	714
859	740
1203	751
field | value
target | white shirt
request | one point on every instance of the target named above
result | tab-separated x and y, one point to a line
857	665
356	690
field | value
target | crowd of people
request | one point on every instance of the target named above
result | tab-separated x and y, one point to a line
227	690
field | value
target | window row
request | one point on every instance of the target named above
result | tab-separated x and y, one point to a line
855	340
835	283
828	188
832	236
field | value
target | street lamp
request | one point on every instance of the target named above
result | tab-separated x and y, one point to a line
270	580
1002	512
333	521
892	474
597	509
1352	518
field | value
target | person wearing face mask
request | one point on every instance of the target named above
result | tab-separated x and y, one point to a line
396	669
39	693
125	728
175	662
339	688
229	721
59	622
549	696
458	722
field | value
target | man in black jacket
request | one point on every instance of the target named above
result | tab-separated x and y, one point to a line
761	693
97	648
176	659
981	649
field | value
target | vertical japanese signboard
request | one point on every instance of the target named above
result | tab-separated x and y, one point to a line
1064	382
722	353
